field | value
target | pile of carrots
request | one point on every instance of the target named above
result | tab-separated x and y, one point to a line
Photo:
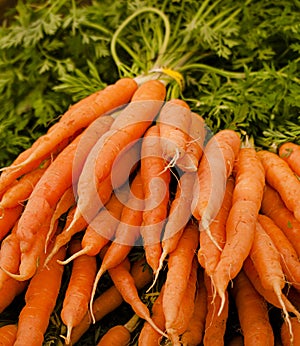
215	222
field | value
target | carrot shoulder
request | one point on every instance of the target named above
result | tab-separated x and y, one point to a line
290	152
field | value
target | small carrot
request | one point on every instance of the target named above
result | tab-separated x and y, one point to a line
124	282
174	122
119	335
285	332
214	169
8	334
179	270
252	312
241	221
266	260
156	181
288	256
215	324
290	152
189	162
273	206
194	334
281	177
8	218
111	299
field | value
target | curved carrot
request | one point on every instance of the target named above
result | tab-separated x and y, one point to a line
272	205
281	177
179	270
8	334
290	152
80	117
174	122
214	169
241	221
285	332
110	299
288	256
77	296
252	312
156	181
8	219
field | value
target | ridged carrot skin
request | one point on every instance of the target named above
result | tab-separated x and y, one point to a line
290	152
8	334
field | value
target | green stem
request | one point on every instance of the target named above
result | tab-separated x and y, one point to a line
223	73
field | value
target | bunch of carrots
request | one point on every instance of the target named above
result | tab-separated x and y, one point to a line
214	221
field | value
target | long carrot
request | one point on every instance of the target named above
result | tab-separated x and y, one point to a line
8	334
273	206
281	177
179	269
110	299
156	181
77	296
288	256
214	169
8	218
124	282
266	260
241	221
290	152
285	332
80	117
252	312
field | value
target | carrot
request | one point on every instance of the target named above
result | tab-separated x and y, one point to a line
189	162
124	282
149	336
19	192
111	299
266	260
77	296
8	334
186	309
241	221
288	256
252	312
156	181
215	324
290	152
209	254
119	335
285	333
214	169
40	300
80	117
8	218
9	291
174	122
179	270
194	334
272	205
281	177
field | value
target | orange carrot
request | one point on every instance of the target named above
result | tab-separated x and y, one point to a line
40	300
79	117
288	256
194	334
8	218
174	123
290	152
209	254
111	299
149	336
77	296
189	162
124	282
273	206
252	312
8	334
9	291
214	169
285	333
119	335
179	270
281	177
156	181
241	221
215	324
266	260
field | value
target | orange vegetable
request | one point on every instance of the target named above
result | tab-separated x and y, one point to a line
8	218
290	152
285	332
8	334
